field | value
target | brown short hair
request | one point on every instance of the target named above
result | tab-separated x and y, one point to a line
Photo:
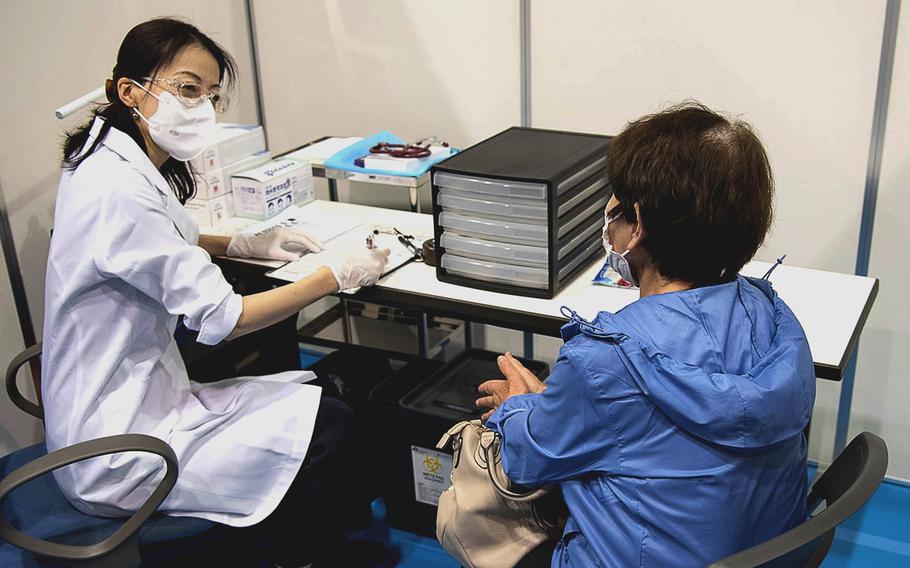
704	187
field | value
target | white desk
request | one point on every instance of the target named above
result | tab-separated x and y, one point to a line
832	307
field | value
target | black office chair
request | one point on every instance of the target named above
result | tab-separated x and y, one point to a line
844	487
58	534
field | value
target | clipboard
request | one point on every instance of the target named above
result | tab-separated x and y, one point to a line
400	253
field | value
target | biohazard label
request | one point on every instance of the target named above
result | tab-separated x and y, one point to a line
432	474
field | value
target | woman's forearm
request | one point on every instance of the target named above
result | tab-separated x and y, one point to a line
215	245
265	308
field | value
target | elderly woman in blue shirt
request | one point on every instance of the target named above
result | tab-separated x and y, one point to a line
674	426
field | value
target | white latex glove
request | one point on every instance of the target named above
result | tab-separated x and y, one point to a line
357	267
280	243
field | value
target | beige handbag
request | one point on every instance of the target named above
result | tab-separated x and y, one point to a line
481	522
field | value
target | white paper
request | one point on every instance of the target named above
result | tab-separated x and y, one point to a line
324	227
319	152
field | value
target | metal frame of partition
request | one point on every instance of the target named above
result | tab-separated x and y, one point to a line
15	275
870	196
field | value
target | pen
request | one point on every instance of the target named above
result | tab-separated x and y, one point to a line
408	244
406	240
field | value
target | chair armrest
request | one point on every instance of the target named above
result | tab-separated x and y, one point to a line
76	453
12	388
845	486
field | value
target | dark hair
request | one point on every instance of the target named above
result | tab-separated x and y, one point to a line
704	187
146	49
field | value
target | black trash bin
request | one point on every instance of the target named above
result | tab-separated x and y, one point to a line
413	408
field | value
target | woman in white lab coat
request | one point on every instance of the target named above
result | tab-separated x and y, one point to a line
125	262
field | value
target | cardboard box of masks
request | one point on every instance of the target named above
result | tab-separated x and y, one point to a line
264	191
218	182
233	142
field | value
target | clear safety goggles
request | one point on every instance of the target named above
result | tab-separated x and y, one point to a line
192	94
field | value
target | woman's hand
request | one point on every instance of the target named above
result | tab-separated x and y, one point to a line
357	267
518	380
280	243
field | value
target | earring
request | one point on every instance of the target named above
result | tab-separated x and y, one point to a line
135	113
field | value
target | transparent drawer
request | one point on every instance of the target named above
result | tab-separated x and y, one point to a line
495	205
494	250
585	253
570	182
584	213
582	234
493	228
496	271
503	187
592	186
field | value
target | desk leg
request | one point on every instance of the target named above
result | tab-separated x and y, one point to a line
529	345
843	406
346	320
333	189
414	198
423	340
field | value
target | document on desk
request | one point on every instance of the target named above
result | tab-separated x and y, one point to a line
319	152
323	227
352	239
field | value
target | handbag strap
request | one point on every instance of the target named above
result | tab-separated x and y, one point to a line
454	430
487	438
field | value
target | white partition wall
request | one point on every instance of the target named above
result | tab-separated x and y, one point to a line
803	73
414	68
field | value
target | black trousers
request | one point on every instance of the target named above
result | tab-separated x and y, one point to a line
325	500
333	489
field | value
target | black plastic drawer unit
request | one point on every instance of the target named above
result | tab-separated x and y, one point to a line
521	212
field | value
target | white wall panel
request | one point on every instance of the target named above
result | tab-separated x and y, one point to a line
353	68
881	395
803	73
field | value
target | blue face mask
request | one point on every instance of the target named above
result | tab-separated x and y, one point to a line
617	261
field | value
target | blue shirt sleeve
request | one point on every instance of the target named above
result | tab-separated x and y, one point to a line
559	434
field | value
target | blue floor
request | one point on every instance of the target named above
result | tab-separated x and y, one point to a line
416	551
877	535
308	358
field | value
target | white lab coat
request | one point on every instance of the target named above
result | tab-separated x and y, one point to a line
123	265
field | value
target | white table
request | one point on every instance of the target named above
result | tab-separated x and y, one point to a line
832	307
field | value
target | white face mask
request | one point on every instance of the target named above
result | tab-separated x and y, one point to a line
617	261
180	131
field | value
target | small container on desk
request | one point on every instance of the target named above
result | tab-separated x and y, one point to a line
414	185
